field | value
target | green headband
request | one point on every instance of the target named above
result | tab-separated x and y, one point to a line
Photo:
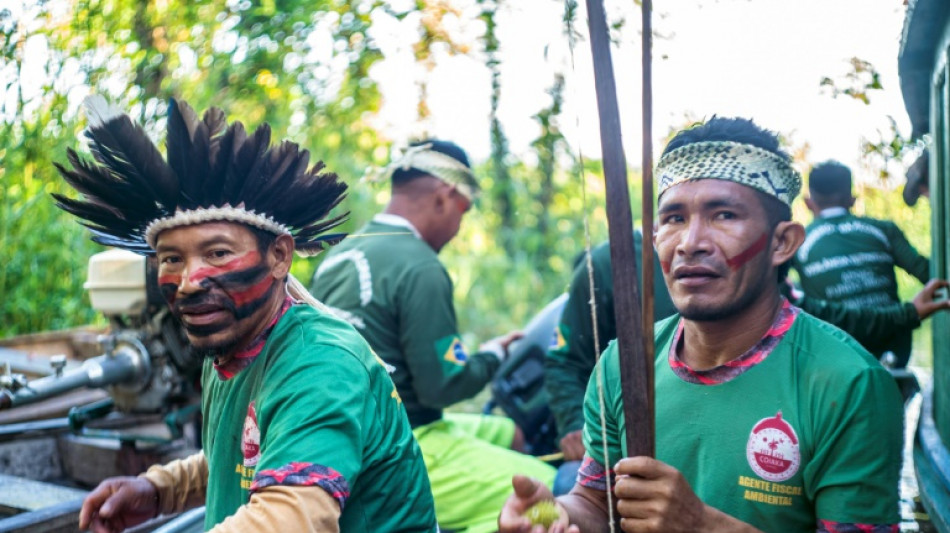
726	160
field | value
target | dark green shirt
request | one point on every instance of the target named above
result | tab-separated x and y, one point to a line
569	363
390	285
315	408
851	259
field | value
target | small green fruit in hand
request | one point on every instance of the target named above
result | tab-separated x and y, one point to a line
543	513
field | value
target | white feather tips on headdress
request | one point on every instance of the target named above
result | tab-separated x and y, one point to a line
99	111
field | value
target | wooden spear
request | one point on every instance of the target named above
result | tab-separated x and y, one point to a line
634	325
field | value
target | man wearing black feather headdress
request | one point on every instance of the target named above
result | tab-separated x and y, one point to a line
388	282
303	428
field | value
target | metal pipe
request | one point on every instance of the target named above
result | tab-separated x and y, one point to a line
125	364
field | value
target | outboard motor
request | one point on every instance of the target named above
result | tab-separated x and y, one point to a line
146	362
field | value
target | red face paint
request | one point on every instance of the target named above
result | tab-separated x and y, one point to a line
169	283
242	297
737	262
170	279
249	259
665	265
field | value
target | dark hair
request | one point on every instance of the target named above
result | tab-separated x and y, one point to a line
450	149
742	130
830	178
264	239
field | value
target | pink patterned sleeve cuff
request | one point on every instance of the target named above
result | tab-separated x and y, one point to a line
303	475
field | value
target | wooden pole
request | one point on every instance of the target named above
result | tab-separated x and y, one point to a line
636	368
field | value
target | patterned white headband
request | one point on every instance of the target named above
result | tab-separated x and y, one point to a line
212	214
436	164
748	165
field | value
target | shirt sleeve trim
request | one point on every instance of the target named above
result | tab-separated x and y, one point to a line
305	475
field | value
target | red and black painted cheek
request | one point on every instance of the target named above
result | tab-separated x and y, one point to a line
168	285
242	287
248	290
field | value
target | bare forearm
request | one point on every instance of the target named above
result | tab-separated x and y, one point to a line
586	511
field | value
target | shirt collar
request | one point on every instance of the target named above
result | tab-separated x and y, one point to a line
395	220
247	355
831	212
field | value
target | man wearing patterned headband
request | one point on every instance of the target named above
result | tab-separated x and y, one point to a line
851	259
764	414
302	427
388	282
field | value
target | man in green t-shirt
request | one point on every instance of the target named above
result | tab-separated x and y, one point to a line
303	429
571	359
851	259
388	282
764	414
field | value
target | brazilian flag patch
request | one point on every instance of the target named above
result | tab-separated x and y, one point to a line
557	340
451	353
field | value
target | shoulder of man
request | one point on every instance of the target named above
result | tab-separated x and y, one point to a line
819	344
321	335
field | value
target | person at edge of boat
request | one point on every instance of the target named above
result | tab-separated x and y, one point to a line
851	259
302	427
763	412
387	280
571	359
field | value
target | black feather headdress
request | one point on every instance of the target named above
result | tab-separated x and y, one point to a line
214	172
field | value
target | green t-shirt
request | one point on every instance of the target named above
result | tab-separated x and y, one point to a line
570	361
814	431
315	408
851	259
389	284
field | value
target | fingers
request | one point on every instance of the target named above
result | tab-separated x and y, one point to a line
99	525
525	487
528	491
93	502
510	338
931	298
643	467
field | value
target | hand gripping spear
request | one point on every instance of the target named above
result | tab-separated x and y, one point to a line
634	324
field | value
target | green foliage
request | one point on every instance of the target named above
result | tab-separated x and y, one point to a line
890	147
301	66
304	68
43	253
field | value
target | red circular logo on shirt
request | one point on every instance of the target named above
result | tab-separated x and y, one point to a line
772	450
251	441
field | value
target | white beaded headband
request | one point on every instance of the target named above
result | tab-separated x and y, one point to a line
748	165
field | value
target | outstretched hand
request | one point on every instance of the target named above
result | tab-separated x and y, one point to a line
931	298
529	491
117	504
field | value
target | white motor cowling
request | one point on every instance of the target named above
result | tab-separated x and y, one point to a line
116	283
